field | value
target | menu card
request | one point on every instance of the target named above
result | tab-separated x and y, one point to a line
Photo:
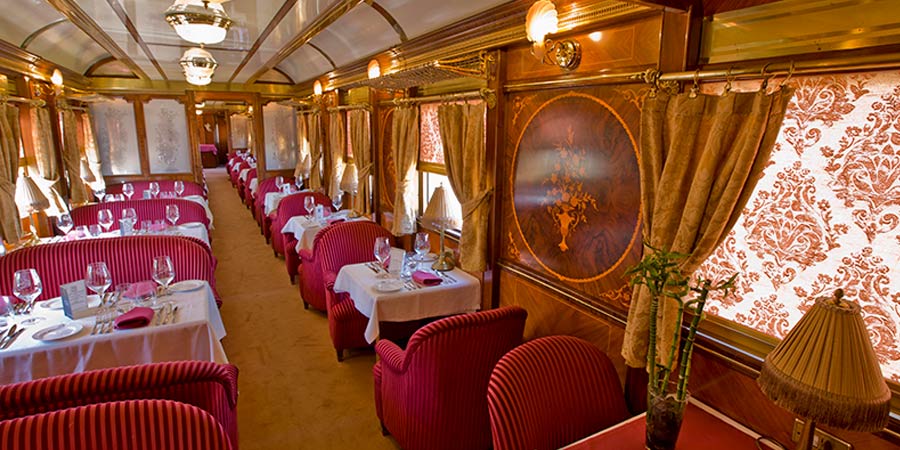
147	195
74	300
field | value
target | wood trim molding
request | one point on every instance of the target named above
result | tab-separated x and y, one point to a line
34	34
132	30
324	55
276	19
389	19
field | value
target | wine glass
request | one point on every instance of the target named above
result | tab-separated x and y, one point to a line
100	193
130	215
309	203
422	246
179	187
105	219
27	287
279	182
163	271
97	278
64	223
383	254
337	200
154	189
299	183
172	214
128	190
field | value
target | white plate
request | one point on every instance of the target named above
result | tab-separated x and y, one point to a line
190	225
93	302
186	286
389	286
57	332
427	258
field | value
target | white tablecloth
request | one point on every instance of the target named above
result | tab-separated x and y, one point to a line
254	183
195	335
305	229
272	200
192	229
445	299
243	175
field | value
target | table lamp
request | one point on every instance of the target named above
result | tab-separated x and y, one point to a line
826	371
350	178
34	201
439	214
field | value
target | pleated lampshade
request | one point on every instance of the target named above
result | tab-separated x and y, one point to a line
28	194
350	178
438	212
826	370
86	173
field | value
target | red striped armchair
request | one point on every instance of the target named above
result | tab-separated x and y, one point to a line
553	391
248	194
433	394
242	184
259	205
290	206
129	260
190	188
209	386
236	171
149	209
127	425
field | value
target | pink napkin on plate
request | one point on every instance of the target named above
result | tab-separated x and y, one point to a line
426	278
140	289
136	318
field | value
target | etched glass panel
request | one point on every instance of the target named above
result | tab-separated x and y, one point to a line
281	136
167	137
240	131
116	134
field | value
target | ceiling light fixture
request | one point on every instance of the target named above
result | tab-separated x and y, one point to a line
199	66
199	21
541	21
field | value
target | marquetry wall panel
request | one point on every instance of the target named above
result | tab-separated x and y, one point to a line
387	172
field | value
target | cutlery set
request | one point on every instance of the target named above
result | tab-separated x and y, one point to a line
166	315
10	336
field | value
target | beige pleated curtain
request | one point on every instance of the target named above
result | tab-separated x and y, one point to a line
10	227
700	160
337	145
314	132
462	135
302	144
91	152
362	156
78	192
42	138
405	149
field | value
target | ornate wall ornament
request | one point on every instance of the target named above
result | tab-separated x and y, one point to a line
166	148
566	199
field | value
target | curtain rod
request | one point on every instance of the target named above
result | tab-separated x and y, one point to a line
485	94
756	71
33	102
364	106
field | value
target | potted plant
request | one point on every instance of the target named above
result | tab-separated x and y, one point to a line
660	272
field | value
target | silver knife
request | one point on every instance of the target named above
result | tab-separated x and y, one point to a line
13	338
8	334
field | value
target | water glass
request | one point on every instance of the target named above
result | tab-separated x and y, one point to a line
130	215
105	219
97	278
179	187
309	203
163	271
6	309
154	189
27	287
337	200
172	214
128	190
64	223
94	230
123	302
382	252
409	266
146	225
82	231
422	245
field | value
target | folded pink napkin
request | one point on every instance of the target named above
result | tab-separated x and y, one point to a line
140	289
158	227
136	318
426	278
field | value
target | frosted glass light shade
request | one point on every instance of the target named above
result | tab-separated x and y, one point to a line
438	211
29	196
197	22
350	178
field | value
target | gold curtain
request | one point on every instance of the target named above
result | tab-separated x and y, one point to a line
91	152
462	135
314	132
302	144
78	193
10	227
337	143
42	136
700	160
405	148
362	156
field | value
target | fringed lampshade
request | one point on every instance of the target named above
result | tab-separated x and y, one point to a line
350	178
439	213
29	196
86	173
826	371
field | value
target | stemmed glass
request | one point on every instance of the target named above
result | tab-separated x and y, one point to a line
337	200
279	183
163	272
299	183
100	193
97	278
154	189
64	223
309	203
422	246
27	286
172	214
105	219
383	254
128	190
179	187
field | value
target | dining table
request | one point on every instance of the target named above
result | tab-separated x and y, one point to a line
389	299
59	345
305	228
191	229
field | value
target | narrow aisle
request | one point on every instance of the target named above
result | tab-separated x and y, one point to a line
293	392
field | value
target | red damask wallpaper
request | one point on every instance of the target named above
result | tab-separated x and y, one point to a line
826	213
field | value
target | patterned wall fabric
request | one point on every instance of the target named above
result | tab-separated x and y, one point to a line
167	137
240	131
825	215
430	148
116	134
281	136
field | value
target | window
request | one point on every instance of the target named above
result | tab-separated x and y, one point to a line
824	215
432	169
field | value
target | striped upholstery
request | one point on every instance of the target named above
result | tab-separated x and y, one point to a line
259	204
433	395
290	206
336	246
128	425
236	171
242	184
209	386
149	209
312	286
248	195
129	260
190	188
553	391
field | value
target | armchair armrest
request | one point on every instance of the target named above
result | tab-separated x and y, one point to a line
391	355
306	255
328	279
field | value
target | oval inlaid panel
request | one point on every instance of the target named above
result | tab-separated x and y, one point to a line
576	187
388	178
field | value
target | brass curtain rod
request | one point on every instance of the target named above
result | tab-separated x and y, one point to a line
833	65
33	102
364	106
484	94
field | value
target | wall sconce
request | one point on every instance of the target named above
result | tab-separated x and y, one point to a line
57	80
317	88
374	69
541	21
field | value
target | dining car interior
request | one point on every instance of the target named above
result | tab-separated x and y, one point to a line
450	225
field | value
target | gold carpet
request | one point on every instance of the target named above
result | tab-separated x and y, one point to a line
293	392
